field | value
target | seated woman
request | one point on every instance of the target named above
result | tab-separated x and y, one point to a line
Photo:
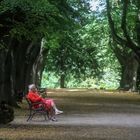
34	96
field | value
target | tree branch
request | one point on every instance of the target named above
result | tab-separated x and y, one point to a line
127	42
124	24
116	38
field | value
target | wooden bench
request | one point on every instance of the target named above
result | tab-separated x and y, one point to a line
36	108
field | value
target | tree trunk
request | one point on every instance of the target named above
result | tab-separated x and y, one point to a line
31	71
7	74
62	66
3	54
39	66
21	60
62	81
129	74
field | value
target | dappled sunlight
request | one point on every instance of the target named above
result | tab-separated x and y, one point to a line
67	89
93	101
89	90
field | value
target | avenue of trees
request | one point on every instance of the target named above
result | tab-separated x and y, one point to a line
69	39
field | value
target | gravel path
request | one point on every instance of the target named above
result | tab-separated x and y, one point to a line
98	119
99	126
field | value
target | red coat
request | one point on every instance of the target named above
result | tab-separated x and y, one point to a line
34	96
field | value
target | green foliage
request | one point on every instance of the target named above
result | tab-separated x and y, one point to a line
50	80
109	81
86	56
32	19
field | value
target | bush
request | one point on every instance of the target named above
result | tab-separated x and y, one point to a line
6	113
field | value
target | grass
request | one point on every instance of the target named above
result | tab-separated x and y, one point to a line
77	101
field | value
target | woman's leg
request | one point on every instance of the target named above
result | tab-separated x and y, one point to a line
57	111
52	115
50	104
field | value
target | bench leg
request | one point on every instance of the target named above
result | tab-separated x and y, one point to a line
30	116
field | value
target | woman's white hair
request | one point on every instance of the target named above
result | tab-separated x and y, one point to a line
31	86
